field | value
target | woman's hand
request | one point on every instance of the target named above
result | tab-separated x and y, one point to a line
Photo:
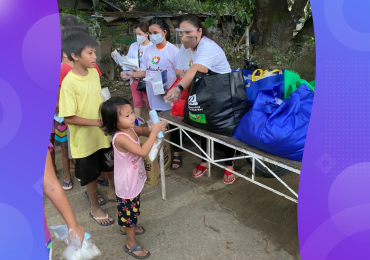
173	94
126	75
113	55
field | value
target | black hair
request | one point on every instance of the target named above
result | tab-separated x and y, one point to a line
68	20
71	29
109	112
162	24
143	26
195	21
75	42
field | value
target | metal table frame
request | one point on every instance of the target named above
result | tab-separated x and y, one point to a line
209	157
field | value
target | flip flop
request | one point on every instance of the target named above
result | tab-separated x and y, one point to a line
69	186
136	249
201	168
176	162
101	218
99	196
227	173
136	233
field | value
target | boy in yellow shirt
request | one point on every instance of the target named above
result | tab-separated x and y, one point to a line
79	105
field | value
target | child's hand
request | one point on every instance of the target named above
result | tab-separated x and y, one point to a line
160	126
79	231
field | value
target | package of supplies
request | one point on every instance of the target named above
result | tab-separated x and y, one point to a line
125	63
158	79
105	94
74	250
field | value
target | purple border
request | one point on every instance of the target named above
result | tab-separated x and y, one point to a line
29	78
333	205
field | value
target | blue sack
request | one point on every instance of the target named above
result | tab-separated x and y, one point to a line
256	86
276	125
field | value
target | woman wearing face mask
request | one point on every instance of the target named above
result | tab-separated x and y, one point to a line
162	55
199	52
137	49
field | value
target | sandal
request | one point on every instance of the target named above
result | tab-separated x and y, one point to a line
227	173
136	233
201	168
99	196
69	185
176	162
136	249
101	218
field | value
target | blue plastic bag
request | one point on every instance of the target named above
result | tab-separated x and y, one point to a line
276	125
256	86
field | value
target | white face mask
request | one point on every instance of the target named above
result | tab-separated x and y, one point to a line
140	39
156	38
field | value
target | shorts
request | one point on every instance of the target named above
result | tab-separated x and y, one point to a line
88	169
128	211
61	138
139	96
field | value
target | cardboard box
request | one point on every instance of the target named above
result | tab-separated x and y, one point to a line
153	170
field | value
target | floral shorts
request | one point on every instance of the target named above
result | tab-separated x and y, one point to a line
128	211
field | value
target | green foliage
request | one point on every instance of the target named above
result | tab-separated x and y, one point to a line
98	7
310	41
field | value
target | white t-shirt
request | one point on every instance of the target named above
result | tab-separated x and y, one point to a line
133	53
210	55
185	59
160	60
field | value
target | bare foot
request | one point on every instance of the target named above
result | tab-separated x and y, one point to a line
138	253
99	213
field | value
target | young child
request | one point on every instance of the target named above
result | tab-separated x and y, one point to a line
79	105
61	128
119	119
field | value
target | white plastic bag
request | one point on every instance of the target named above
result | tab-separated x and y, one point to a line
125	63
105	94
158	79
74	250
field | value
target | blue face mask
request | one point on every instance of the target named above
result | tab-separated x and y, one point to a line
156	38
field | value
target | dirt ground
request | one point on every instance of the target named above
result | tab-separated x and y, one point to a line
201	218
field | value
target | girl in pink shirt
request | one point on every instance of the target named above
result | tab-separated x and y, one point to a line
129	170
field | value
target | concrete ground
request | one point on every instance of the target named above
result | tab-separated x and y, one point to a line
201	218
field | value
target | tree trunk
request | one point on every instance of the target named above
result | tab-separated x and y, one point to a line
274	22
77	2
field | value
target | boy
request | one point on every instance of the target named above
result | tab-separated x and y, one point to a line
79	105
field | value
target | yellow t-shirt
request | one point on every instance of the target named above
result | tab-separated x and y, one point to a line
80	96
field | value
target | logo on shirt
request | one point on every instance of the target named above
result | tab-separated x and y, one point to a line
190	63
193	100
156	60
141	54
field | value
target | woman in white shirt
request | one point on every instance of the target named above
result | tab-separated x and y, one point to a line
137	51
205	56
162	55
